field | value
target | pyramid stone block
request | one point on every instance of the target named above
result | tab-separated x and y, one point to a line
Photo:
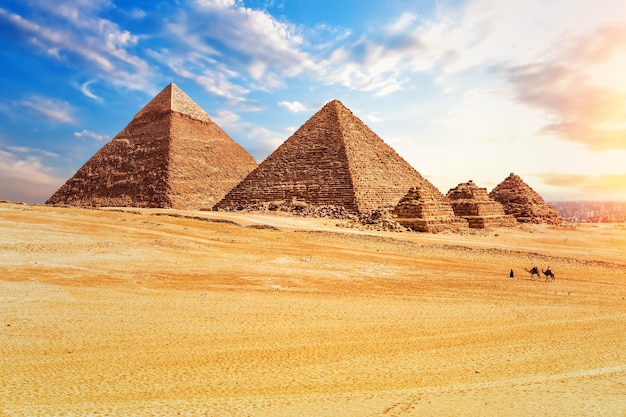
334	159
171	155
423	210
524	203
473	204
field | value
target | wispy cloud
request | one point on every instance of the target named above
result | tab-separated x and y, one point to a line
587	184
137	13
226	119
255	50
214	77
91	135
579	108
382	61
55	110
84	88
294	106
404	22
72	32
547	56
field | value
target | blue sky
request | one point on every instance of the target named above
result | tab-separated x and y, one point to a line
462	90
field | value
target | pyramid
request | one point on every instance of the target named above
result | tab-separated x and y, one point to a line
171	155
474	205
423	210
522	202
334	159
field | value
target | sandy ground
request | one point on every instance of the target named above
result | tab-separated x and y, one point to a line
112	313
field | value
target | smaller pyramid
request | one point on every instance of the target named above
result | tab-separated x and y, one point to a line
524	203
334	160
423	210
474	205
171	155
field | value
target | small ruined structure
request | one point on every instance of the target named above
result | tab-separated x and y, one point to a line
522	202
334	160
171	155
426	211
473	204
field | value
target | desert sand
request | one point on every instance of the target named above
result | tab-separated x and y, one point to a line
163	312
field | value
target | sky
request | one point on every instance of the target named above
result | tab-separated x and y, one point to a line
461	89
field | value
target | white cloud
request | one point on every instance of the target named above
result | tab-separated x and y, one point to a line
294	106
71	32
226	119
91	135
216	4
137	13
85	90
55	110
405	21
372	118
254	49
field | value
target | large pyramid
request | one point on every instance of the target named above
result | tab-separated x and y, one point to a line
334	159
171	155
523	202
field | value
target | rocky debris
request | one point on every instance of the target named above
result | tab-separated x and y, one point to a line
473	204
171	155
524	203
300	208
425	211
380	220
333	160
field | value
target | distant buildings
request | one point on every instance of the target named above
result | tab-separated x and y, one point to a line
592	211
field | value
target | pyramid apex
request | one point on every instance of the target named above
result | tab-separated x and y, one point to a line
173	99
334	104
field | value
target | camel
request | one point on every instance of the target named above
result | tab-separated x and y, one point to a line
549	275
534	271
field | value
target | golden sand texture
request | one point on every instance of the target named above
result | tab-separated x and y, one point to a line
115	313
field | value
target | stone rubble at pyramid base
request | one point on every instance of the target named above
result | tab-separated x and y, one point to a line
433	224
296	208
482	222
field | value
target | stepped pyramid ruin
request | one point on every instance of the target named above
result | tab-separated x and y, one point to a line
423	210
334	159
171	155
473	204
522	202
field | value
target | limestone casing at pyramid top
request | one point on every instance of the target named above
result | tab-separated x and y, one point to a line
173	99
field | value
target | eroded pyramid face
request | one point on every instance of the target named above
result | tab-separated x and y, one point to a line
170	155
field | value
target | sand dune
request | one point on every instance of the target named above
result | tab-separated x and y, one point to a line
145	313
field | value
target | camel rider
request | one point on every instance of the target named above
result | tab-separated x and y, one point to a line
548	271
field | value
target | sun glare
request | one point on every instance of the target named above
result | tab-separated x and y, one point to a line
610	74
